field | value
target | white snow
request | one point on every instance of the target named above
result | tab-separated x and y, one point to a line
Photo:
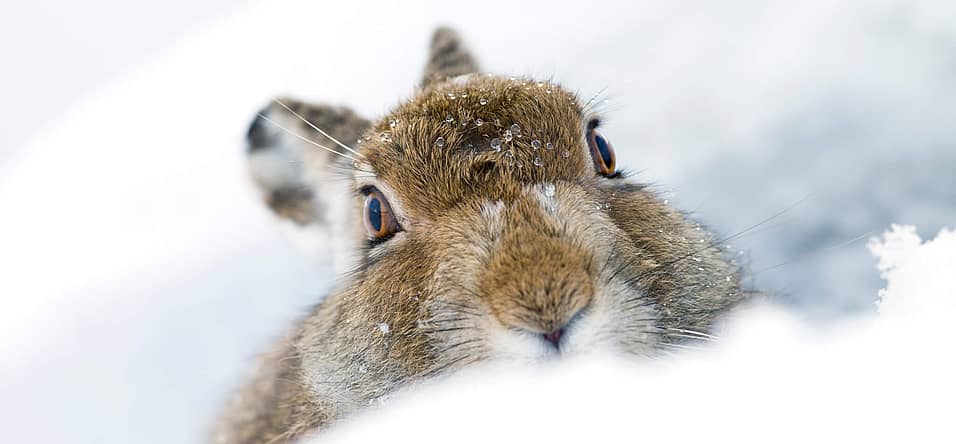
139	275
921	277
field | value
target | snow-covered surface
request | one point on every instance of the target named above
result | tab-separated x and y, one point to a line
139	275
770	378
921	278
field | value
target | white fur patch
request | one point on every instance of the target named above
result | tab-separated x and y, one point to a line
274	168
509	345
336	200
598	328
491	214
546	195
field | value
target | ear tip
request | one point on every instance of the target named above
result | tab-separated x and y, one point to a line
446	39
448	56
445	33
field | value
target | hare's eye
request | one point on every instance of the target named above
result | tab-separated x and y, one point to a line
379	219
601	153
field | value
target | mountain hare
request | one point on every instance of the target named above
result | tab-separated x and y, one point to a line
483	219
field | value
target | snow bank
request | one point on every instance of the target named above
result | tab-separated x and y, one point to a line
921	278
771	378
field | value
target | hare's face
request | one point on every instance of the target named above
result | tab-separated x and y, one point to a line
498	226
483	219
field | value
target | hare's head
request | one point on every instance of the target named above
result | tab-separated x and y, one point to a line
488	218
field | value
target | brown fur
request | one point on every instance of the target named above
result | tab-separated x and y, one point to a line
497	248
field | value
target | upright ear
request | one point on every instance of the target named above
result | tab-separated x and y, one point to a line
298	180
448	57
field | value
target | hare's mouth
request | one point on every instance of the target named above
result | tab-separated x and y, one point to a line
586	332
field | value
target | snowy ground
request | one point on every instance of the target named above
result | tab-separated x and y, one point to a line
140	274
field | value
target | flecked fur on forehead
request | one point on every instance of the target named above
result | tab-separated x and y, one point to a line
484	133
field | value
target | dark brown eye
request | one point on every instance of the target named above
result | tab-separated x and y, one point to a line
379	219
602	153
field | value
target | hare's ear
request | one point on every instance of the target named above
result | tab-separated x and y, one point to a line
448	57
298	180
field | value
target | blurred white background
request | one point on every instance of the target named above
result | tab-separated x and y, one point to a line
140	273
56	53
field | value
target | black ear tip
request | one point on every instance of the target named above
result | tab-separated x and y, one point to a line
259	134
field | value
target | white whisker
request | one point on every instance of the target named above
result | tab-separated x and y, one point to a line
587	107
307	122
698	338
693	332
682	347
815	253
305	139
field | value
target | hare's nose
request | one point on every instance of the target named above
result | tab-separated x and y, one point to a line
554	337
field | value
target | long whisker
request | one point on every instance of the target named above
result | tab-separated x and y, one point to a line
696	338
594	98
305	139
815	252
697	334
746	230
681	347
668	266
307	122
